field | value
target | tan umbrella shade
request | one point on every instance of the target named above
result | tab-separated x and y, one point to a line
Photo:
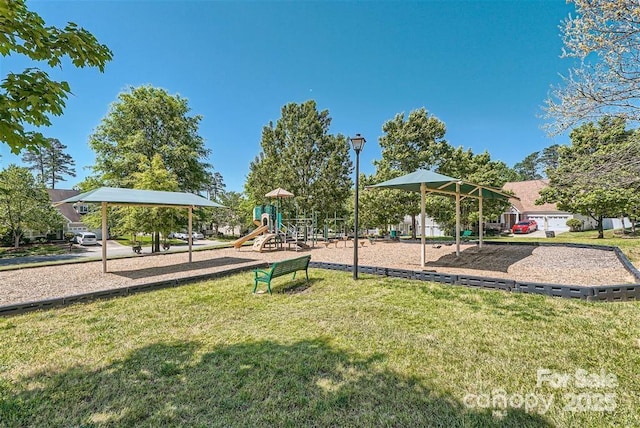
279	193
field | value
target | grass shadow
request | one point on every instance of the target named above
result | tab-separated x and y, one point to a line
488	258
298	286
306	383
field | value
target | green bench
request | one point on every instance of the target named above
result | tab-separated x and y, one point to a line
281	268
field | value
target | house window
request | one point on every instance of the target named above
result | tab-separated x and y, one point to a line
82	209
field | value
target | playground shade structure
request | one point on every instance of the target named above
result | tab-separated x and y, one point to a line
424	181
106	196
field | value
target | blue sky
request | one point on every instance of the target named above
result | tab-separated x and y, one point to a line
482	67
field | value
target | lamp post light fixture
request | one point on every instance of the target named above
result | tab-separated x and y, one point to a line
358	143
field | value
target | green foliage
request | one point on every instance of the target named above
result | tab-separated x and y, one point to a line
148	140
152	175
145	122
414	143
574	224
50	162
408	144
24	204
299	155
236	214
30	97
381	207
597	176
418	142
535	165
527	169
89	183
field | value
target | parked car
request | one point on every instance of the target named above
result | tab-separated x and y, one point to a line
526	226
85	238
197	235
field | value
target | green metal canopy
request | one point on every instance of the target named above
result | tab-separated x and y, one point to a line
135	197
425	181
438	183
118	196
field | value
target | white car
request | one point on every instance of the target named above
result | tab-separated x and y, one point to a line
86	238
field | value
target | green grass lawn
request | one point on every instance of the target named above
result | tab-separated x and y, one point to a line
376	352
33	250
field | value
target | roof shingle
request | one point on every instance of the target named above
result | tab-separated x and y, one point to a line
528	191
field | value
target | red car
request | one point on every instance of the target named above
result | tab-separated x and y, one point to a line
526	226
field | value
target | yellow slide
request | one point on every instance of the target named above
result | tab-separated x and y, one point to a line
238	243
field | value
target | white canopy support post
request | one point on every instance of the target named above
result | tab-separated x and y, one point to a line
480	222
104	237
457	218
423	197
190	231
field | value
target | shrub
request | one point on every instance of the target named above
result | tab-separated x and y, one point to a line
574	224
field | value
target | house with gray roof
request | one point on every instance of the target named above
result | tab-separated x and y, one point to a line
71	213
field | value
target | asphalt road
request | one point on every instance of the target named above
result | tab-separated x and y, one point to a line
114	249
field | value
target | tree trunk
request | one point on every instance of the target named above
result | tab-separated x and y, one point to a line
600	227
155	244
16	240
413	226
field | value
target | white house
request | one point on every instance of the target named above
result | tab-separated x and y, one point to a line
432	229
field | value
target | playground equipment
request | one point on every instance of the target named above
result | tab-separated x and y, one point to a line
300	230
339	228
273	232
268	240
238	242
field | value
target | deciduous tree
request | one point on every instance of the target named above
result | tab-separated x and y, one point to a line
593	177
236	214
144	122
411	143
24	204
300	155
30	97
604	36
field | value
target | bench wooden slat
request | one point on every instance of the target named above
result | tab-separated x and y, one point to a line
281	268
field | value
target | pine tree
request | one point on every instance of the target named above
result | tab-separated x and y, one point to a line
50	162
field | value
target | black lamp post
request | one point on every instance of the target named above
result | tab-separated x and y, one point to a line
358	143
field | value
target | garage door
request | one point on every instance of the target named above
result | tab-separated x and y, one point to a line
554	222
558	222
539	219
